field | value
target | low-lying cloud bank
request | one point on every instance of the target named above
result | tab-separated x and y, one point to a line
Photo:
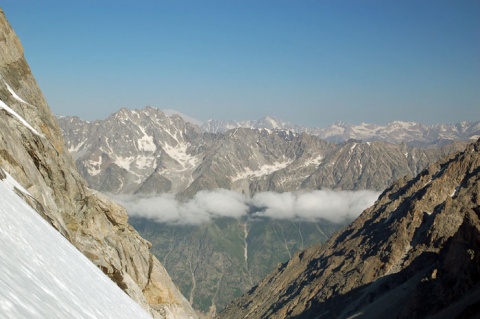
334	206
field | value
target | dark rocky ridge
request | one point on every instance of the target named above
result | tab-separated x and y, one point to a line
414	254
32	151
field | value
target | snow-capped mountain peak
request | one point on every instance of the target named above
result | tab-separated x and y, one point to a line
411	133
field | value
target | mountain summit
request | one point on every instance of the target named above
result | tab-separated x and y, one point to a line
413	254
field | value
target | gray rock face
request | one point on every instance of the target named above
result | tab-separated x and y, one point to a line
413	254
139	151
146	151
32	151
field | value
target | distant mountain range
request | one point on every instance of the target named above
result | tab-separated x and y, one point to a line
410	133
147	151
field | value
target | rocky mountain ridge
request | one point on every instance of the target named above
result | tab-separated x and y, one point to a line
32	151
148	152
396	132
413	254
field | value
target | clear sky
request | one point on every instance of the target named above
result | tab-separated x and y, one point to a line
312	62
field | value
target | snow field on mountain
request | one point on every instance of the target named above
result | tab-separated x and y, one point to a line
43	276
261	171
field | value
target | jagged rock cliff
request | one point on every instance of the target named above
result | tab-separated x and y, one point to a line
32	151
413	254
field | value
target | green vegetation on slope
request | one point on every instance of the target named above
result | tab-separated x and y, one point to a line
216	262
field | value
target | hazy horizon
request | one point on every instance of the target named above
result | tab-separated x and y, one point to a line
198	122
312	63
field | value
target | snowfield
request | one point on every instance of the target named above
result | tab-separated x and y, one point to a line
42	275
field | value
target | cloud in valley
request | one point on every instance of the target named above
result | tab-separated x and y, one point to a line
201	208
334	206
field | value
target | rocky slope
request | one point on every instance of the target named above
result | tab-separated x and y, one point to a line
413	254
32	151
411	133
147	152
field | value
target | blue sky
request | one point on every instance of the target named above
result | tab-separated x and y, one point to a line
309	62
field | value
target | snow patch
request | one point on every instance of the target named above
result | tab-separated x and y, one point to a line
146	142
74	149
455	191
314	161
15	95
266	169
45	276
179	153
18	117
94	167
143	162
124	162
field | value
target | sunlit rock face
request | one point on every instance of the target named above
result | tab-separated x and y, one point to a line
32	151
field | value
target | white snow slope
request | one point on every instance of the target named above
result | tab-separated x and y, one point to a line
43	276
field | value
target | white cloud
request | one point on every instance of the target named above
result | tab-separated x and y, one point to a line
201	208
334	206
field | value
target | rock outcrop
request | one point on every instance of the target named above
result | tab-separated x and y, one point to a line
414	254
32	151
